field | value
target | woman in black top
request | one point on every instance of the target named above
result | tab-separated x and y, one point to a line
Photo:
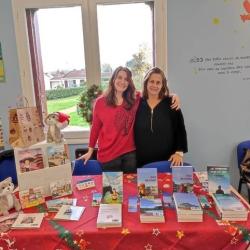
160	132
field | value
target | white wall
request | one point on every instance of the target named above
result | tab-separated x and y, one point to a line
216	107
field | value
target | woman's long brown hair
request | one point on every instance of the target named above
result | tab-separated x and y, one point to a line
128	95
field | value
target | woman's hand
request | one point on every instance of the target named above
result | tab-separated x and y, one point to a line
86	156
176	103
176	159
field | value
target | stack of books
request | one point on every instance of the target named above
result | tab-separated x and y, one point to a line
109	215
229	207
151	210
188	207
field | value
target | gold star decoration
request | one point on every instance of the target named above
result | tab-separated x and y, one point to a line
216	21
148	247
179	234
125	231
156	231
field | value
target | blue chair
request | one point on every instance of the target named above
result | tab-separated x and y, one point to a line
162	166
8	165
241	147
93	167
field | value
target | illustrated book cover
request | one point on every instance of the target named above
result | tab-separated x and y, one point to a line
96	199
182	179
55	205
67	212
112	183
57	155
218	179
147	183
31	197
28	221
60	188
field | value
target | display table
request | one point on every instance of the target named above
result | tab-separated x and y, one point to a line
83	234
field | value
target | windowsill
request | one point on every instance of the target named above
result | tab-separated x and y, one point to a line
76	134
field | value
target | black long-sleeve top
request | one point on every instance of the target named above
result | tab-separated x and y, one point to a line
159	132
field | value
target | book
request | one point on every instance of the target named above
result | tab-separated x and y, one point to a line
67	212
60	188
31	197
96	199
147	182
109	215
151	210
112	191
57	155
55	205
30	159
168	201
132	203
218	179
182	178
28	221
204	201
86	183
7	221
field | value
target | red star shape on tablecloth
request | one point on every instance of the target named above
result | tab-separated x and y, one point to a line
179	234
148	247
156	231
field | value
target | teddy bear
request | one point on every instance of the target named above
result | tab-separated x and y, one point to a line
7	199
56	121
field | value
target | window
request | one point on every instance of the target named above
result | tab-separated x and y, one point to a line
96	21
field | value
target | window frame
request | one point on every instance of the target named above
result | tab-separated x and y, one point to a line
91	41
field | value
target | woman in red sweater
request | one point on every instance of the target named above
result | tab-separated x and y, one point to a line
113	124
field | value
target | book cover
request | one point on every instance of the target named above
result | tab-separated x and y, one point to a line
55	205
30	159
31	197
112	183
57	155
168	201
151	210
132	203
109	215
60	188
96	199
86	183
147	183
218	179
182	178
186	202
28	221
67	212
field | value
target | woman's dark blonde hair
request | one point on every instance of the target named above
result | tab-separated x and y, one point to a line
164	90
128	94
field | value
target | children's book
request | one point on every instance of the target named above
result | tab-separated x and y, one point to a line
60	188
182	178
67	212
112	183
31	197
109	215
57	155
151	210
86	183
30	159
28	221
96	199
218	179
7	221
147	183
132	203
55	205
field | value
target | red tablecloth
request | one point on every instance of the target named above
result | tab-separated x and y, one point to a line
83	234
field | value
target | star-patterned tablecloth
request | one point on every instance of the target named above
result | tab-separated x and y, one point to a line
211	234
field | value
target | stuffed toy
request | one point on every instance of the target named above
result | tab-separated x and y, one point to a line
56	121
7	199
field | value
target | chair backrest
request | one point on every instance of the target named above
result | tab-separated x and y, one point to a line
93	167
241	151
162	166
8	165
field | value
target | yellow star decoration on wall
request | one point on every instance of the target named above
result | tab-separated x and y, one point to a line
179	234
125	231
216	21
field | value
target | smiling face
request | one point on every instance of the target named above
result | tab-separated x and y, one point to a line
154	85
121	82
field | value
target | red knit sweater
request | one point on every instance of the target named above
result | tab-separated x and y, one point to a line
113	127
